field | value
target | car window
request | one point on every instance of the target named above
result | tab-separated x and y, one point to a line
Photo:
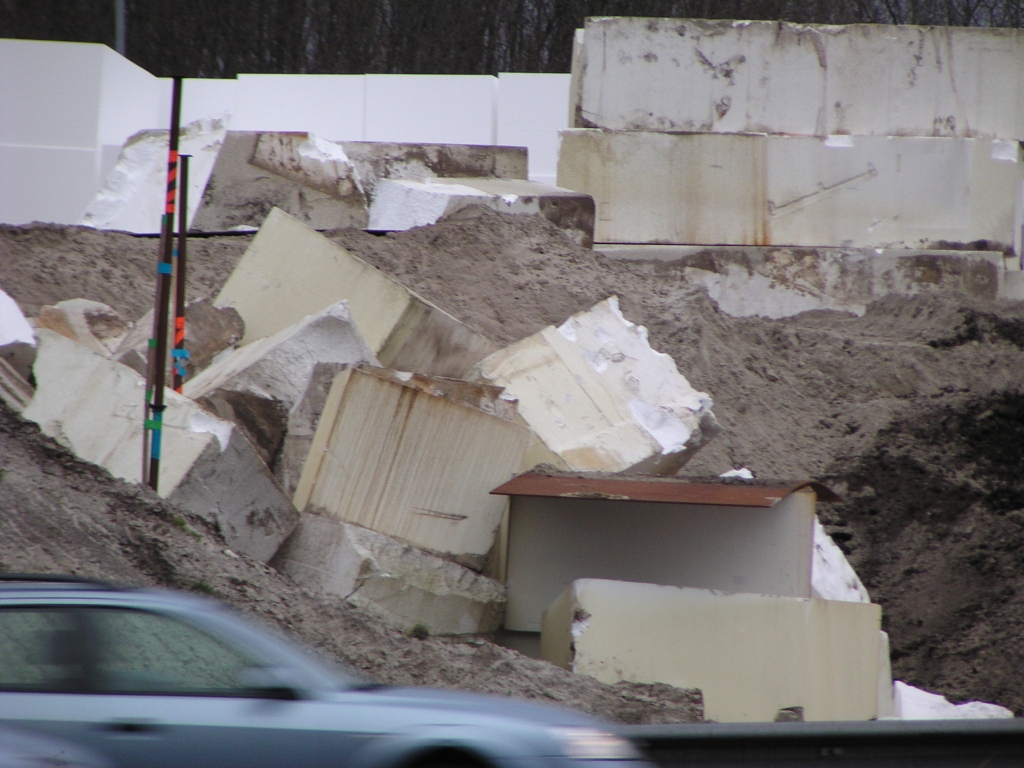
142	652
41	650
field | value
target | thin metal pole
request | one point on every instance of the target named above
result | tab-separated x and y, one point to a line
120	27
179	354
153	426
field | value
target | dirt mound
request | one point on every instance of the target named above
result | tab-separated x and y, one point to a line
823	394
59	514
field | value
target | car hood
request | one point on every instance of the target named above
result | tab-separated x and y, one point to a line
484	704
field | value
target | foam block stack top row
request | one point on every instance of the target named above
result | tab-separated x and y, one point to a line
768	133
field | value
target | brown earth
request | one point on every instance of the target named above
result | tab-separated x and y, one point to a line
913	412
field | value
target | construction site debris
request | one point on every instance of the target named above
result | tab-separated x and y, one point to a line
393	455
209	331
832	576
912	703
17	342
94	407
780	282
290	271
405	203
91	323
406	586
598	396
327	184
751	655
260	386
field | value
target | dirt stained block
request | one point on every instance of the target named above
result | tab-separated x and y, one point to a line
94	407
261	385
209	330
405	585
96	325
415	458
403	204
290	271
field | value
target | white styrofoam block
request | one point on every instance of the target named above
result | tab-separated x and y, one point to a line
403	204
46	183
330	106
130	100
532	108
431	109
600	398
133	194
774	77
404	585
200	98
832	576
94	407
13	325
910	703
50	94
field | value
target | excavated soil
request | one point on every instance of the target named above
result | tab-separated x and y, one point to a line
913	412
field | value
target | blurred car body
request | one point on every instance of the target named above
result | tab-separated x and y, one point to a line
162	679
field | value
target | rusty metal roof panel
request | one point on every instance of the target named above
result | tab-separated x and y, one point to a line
656	489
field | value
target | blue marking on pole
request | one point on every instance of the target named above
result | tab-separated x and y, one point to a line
157	434
180	353
165	268
180	370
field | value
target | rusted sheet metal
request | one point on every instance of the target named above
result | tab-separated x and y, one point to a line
667	491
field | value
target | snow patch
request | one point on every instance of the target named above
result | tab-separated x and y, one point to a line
912	703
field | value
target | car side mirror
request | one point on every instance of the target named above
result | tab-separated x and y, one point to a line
269	683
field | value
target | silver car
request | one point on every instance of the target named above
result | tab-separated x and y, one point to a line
149	678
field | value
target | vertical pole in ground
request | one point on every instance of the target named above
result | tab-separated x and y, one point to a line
120	27
153	427
179	354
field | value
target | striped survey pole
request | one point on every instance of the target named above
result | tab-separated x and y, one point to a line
179	354
153	425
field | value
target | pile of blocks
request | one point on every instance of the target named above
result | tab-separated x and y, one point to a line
793	156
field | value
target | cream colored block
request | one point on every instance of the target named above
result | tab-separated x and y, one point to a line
406	586
90	323
849	191
750	655
554	541
94	407
290	271
886	702
598	396
414	458
775	77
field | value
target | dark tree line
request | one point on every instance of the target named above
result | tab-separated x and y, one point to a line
220	38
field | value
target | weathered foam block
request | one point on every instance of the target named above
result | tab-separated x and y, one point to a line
599	398
832	576
403	204
259	386
94	407
750	655
407	586
290	271
302	424
554	541
209	331
773	77
133	194
779	282
416	459
840	191
327	184
90	323
912	703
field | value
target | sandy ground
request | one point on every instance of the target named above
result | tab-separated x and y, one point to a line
912	412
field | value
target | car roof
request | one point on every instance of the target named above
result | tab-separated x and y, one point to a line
16	587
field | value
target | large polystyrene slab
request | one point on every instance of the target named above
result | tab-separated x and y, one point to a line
751	655
685	75
331	106
436	109
839	191
532	108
